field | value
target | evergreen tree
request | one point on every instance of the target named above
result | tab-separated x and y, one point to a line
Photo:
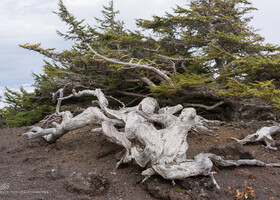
219	35
23	108
194	52
109	23
79	68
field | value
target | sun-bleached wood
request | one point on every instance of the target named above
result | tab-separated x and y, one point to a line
262	135
155	138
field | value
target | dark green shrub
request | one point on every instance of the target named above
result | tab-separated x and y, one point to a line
23	108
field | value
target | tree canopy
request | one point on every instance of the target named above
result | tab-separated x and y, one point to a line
203	54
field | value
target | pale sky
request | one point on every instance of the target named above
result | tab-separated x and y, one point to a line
32	21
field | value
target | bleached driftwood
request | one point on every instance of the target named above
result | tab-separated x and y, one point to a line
262	135
202	164
164	150
161	148
91	115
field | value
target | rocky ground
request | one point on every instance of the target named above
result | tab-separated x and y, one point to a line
79	166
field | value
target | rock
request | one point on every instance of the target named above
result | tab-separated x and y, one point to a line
54	174
91	183
232	152
158	192
207	183
103	153
174	196
58	146
186	184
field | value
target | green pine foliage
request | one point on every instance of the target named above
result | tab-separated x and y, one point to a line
109	23
81	69
179	81
265	90
23	108
218	35
206	43
220	44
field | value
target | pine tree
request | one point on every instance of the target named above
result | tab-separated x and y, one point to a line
81	68
217	32
195	52
109	23
23	108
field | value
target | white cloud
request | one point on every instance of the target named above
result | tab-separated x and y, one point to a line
266	19
84	3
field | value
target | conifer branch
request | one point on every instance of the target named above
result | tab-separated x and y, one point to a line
133	65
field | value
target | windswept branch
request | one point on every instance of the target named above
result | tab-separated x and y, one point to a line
48	53
134	65
143	79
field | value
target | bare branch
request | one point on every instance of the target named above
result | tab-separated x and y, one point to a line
204	106
60	92
143	79
131	94
123	105
264	134
134	65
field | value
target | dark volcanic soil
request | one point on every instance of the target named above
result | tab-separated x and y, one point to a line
33	169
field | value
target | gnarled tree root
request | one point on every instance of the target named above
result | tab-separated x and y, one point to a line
200	165
91	115
161	150
262	135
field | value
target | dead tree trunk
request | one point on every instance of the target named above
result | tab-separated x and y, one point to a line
161	150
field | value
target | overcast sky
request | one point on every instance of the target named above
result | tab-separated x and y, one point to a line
32	21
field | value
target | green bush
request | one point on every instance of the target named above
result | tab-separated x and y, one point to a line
265	90
23	108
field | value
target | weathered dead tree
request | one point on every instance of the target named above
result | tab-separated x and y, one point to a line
262	135
161	150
